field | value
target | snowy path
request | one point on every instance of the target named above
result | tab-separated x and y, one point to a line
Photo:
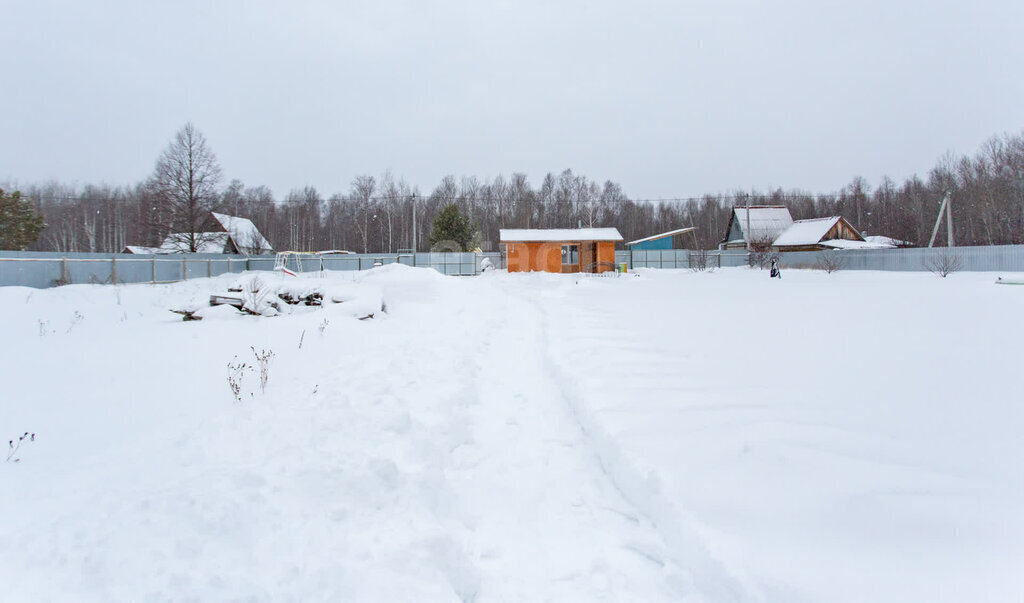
549	520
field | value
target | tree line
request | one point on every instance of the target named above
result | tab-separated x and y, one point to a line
376	214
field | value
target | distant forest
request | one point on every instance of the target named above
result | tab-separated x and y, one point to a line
376	214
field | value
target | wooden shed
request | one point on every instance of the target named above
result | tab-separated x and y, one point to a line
658	241
564	250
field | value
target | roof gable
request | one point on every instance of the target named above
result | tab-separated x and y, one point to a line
766	222
813	231
244	233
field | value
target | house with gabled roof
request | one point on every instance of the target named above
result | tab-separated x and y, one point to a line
219	233
566	250
244	235
816	234
757	225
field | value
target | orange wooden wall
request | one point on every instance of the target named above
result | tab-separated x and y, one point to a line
605	253
534	257
547	257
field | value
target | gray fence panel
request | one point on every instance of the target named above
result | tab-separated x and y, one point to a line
129	271
29	274
341	262
497	259
972	259
97	271
261	263
166	271
47	269
623	257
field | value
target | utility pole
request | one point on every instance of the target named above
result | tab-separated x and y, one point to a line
750	235
414	248
947	207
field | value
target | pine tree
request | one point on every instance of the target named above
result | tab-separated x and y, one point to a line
452	231
20	225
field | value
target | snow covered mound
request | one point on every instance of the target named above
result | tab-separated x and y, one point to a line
272	294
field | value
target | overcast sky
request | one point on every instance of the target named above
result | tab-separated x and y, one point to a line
667	98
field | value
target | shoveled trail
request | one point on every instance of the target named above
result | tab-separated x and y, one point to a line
553	509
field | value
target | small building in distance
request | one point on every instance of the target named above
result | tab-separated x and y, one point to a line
772	227
219	233
244	234
821	233
764	222
658	241
560	250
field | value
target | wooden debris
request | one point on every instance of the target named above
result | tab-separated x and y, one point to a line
226	300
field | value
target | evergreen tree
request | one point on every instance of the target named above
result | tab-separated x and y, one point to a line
20	225
452	231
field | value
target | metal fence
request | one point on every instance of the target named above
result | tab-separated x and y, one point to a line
974	259
49	269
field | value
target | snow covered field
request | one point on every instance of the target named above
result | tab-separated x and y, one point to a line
662	436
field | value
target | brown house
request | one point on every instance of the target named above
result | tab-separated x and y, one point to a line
564	250
819	233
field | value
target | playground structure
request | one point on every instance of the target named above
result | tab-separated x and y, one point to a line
295	258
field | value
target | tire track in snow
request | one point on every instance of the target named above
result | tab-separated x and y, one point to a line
712	579
547	521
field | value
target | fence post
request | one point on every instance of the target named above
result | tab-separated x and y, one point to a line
184	269
113	269
154	270
64	270
209	267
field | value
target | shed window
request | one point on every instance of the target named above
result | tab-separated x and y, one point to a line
570	254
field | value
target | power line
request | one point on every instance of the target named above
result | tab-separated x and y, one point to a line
760	197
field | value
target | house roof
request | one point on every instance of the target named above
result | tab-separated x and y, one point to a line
806	232
883	241
243	232
766	221
521	235
662	235
140	249
208	242
848	244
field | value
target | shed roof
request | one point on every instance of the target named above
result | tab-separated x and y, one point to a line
243	232
806	232
848	244
662	235
522	235
766	221
142	249
885	242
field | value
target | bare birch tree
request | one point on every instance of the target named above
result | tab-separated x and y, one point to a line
185	182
